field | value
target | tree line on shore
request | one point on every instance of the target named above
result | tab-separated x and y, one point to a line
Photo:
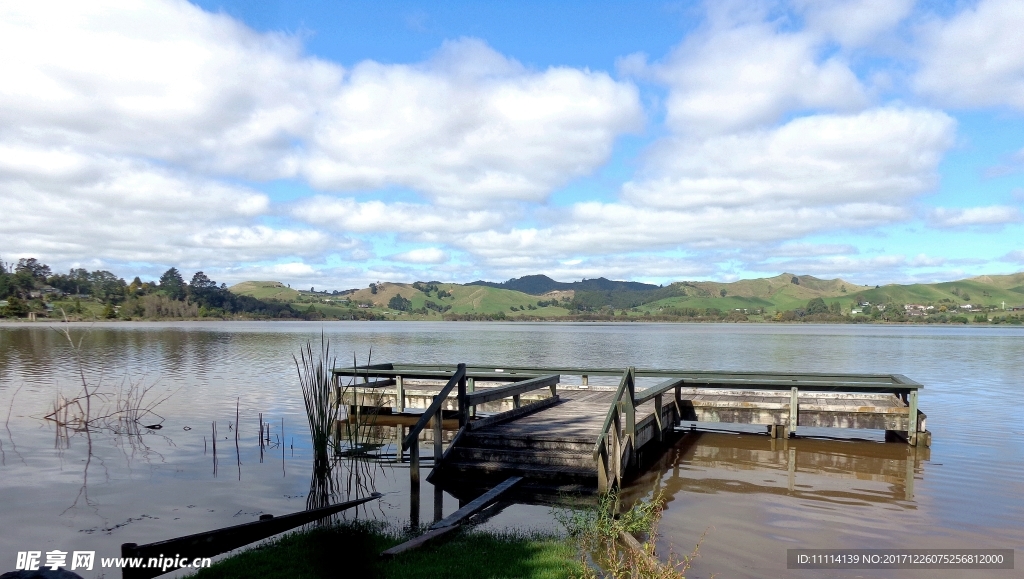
30	285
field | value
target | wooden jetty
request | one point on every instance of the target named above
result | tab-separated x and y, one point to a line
584	436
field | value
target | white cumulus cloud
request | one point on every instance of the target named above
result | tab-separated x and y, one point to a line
974	216
349	214
878	156
974	58
422	255
740	75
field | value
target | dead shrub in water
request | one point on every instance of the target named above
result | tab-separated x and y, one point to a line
123	411
607	544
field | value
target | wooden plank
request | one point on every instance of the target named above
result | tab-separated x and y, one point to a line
514	389
513	414
477	504
418	541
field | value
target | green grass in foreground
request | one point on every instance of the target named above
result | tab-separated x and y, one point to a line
352	549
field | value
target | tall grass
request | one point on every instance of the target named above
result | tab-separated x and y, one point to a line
317	381
606	542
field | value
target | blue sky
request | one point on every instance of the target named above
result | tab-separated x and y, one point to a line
332	144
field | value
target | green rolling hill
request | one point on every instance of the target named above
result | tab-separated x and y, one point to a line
783	292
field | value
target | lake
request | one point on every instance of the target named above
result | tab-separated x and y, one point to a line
750	497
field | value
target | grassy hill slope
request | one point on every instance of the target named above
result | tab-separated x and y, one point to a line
780	293
265	290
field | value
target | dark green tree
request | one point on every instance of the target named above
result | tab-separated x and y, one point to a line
6	281
399	303
817	306
15	308
107	287
33	267
172	284
201	289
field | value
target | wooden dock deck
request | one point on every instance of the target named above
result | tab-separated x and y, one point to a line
593	439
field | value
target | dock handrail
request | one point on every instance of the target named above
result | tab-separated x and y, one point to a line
822	381
614	440
514	390
457	379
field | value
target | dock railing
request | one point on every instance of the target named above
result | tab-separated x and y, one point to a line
434	413
616	444
468	398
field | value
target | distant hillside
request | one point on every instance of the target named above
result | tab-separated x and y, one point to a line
540	297
541	284
265	290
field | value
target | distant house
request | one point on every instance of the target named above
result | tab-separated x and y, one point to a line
967	307
914	310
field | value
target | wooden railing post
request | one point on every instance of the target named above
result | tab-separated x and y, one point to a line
630	411
794	401
658	433
399	394
471	387
463	403
414	463
602	465
437	434
912	418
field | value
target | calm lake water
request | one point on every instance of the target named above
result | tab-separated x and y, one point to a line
751	498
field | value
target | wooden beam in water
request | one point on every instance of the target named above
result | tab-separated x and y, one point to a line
418	541
477	504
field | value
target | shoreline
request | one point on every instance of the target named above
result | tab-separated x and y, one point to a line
520	319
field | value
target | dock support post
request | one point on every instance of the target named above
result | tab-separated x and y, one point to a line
400	431
437	436
399	394
471	387
585	383
793	410
515	401
659	433
463	403
438	503
414	487
912	419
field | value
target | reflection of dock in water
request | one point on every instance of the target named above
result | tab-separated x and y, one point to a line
810	468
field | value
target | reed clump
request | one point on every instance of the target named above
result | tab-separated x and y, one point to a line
317	381
606	541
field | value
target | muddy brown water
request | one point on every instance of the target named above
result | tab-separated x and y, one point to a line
750	497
